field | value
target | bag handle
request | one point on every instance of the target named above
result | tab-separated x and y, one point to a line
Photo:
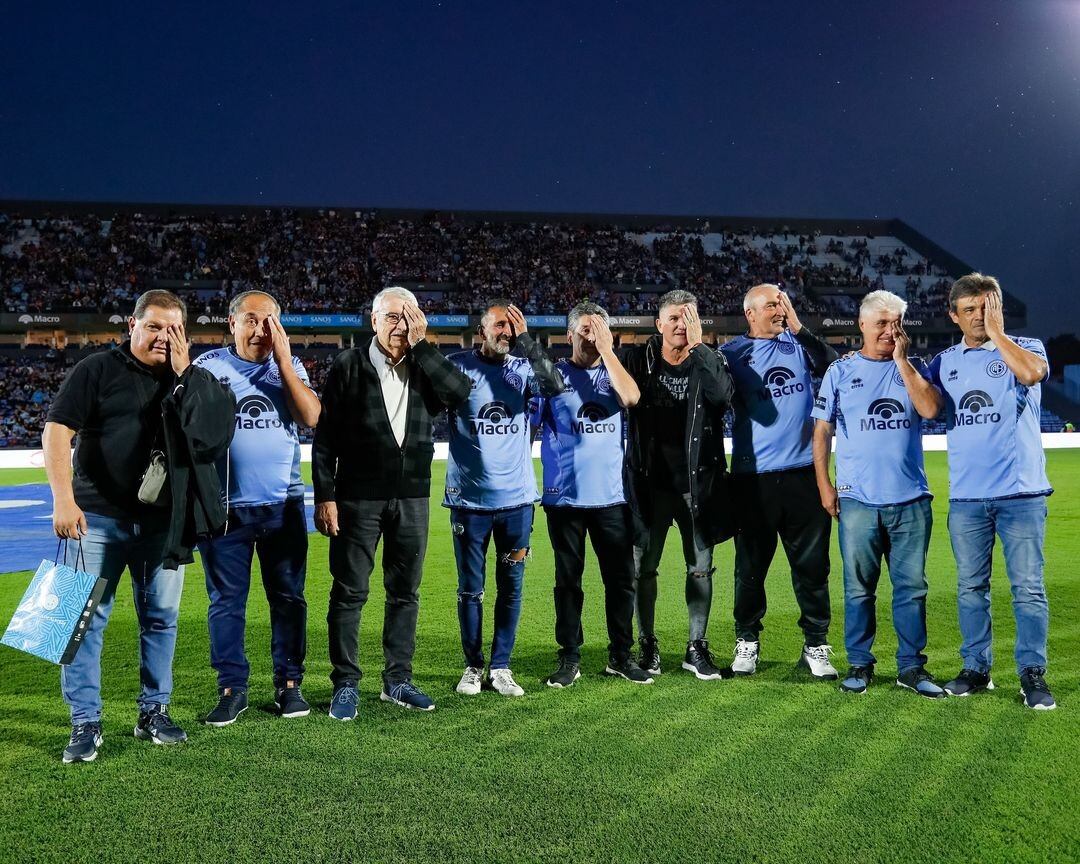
78	555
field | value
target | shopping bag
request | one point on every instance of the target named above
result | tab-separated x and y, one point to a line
56	610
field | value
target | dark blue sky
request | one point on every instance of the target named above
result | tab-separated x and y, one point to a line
960	117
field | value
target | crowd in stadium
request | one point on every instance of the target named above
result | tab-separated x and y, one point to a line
335	261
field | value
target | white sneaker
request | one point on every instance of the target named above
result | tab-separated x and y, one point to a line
817	661
502	681
746	654
470	682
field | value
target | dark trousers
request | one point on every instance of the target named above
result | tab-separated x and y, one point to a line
403	523
784	503
612	541
278	533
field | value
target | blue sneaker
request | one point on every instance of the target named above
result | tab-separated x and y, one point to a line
84	743
407	695
1034	690
969	681
344	702
857	679
918	679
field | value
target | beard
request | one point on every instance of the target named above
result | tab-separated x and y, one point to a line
499	346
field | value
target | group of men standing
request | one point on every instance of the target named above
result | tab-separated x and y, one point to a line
631	443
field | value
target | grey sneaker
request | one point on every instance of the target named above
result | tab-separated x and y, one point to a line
84	743
156	725
746	657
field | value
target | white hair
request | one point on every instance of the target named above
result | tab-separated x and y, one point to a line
403	294
882	301
747	303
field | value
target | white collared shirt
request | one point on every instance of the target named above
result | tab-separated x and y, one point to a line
394	378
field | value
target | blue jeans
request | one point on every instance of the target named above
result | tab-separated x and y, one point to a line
1021	525
109	546
278	532
472	531
900	533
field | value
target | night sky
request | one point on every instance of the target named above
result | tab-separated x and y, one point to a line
962	118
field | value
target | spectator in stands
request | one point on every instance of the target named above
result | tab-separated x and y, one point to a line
265	495
371	466
997	483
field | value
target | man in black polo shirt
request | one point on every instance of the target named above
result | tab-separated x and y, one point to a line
371	467
113	401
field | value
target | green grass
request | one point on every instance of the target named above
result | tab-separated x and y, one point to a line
773	768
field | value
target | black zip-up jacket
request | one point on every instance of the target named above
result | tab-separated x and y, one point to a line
199	418
710	389
355	455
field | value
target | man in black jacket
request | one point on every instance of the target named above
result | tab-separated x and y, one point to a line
675	470
114	401
371	466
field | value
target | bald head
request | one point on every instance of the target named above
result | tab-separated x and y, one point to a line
764	313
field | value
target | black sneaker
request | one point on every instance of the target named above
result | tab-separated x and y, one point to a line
156	725
650	656
84	743
699	660
628	669
969	681
567	673
857	679
232	702
919	680
1034	690
290	702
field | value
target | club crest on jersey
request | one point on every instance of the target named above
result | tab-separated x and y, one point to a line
885	414
996	368
273	375
973	411
785	347
492	419
603	383
779	381
513	379
256	412
898	378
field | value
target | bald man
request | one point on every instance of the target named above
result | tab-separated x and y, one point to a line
773	481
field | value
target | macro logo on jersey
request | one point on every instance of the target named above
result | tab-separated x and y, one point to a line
972	409
885	414
593	418
779	381
491	420
256	412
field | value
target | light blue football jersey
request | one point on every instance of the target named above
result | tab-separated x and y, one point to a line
490	465
774	392
581	440
992	424
264	458
879	456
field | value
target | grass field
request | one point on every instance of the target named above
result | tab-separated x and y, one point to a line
772	768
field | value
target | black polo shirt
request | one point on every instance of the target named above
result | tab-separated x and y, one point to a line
113	402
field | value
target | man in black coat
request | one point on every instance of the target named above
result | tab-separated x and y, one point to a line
371	467
141	396
675	470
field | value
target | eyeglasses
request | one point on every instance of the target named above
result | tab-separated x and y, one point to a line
391	317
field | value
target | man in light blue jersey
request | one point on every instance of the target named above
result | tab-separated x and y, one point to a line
265	500
582	452
773	481
491	486
874	401
997	482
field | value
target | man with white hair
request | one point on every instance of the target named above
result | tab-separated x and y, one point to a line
371	466
772	466
491	486
875	400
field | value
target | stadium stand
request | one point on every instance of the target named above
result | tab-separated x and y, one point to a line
69	275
